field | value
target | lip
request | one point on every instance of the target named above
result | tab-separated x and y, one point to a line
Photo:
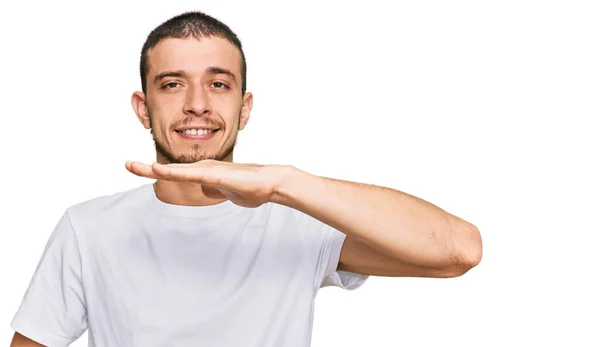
197	137
196	127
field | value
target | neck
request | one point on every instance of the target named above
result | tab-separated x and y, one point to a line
183	193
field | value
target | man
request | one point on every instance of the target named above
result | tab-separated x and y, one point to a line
218	253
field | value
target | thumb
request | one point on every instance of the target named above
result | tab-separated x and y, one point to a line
212	192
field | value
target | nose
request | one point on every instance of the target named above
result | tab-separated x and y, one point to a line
197	102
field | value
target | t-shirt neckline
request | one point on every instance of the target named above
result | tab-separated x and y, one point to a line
186	211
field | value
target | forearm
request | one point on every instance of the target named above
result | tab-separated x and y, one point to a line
19	340
395	223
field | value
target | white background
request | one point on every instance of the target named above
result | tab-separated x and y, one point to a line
486	109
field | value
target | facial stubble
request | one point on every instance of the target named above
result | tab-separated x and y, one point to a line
196	149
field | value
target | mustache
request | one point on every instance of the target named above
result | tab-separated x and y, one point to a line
189	120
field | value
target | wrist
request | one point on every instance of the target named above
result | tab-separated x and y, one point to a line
285	178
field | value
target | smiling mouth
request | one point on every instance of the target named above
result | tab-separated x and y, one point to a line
196	132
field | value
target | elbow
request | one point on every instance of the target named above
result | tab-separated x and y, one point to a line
473	251
468	252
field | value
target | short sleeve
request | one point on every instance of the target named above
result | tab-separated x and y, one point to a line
324	246
53	311
331	251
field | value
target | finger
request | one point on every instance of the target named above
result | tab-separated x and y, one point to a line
186	172
140	169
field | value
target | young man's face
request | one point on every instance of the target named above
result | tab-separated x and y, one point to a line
193	102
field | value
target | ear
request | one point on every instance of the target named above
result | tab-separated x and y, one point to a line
138	102
246	108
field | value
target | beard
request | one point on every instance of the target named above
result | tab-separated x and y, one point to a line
196	153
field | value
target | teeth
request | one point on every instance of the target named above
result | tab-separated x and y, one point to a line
197	131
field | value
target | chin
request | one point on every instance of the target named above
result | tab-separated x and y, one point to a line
194	154
191	157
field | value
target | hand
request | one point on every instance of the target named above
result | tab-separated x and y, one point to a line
247	185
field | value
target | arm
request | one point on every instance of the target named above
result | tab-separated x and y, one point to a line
22	341
389	232
52	311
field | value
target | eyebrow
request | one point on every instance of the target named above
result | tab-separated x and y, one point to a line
213	70
164	74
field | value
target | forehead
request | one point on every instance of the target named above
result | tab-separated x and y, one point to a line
194	56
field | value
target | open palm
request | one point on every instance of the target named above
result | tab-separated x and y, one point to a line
248	185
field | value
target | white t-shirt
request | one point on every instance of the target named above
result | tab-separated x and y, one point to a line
134	271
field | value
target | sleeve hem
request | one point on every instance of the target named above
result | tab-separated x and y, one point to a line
342	279
33	332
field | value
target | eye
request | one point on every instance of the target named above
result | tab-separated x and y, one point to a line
170	85
220	85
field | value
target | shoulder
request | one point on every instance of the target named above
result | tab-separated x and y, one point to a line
285	216
107	207
313	232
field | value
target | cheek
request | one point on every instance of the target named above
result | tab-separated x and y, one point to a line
166	104
162	115
229	110
160	128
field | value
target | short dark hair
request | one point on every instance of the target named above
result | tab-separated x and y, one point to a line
190	24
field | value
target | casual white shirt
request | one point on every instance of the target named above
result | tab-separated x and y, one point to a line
134	271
